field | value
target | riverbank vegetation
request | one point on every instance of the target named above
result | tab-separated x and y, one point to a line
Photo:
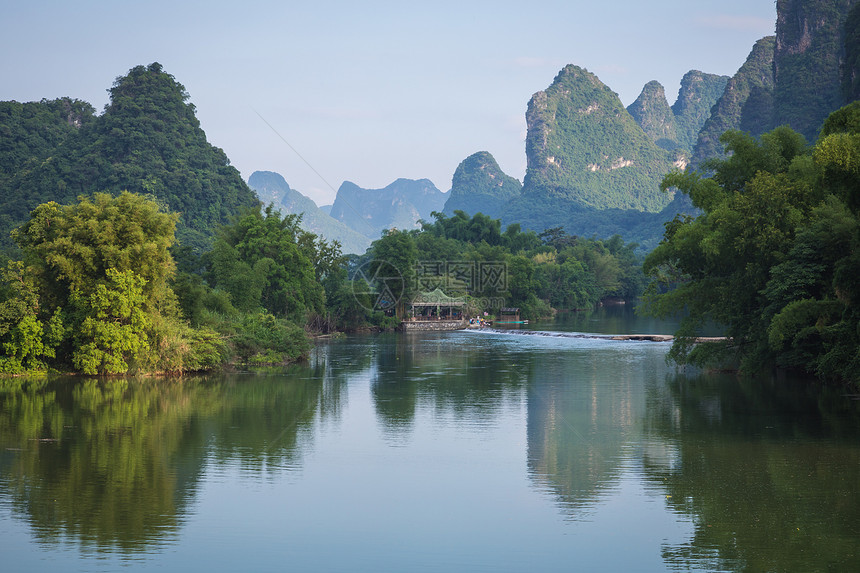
101	287
97	292
537	273
774	256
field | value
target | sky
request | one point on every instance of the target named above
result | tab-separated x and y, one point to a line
327	91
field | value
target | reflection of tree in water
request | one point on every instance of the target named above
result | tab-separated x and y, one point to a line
441	374
113	464
767	470
581	414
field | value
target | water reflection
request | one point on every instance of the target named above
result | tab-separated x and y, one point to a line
583	420
469	382
763	475
768	469
113	464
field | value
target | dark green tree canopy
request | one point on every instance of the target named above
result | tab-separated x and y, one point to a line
148	140
267	261
92	290
773	256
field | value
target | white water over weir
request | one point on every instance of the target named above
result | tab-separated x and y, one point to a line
614	337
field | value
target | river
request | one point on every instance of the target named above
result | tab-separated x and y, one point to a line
529	450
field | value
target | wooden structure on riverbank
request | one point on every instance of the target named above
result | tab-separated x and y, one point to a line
510	315
435	311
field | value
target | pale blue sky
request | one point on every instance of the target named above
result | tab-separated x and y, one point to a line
368	91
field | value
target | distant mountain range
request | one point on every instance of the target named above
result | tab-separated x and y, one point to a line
593	166
358	216
399	205
272	188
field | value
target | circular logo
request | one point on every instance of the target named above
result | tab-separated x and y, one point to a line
377	285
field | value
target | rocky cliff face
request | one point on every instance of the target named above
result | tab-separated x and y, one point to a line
698	94
807	64
480	186
746	103
397	206
851	65
653	114
584	147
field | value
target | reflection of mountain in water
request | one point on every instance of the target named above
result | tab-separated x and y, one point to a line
767	470
578	425
114	464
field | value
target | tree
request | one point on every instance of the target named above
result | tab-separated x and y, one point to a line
773	256
114	332
93	284
393	269
265	261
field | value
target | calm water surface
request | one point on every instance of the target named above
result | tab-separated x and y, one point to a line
462	451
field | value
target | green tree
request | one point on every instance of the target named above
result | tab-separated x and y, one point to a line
94	285
26	338
393	270
772	258
265	261
115	329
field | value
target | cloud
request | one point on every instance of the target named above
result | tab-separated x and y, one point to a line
736	23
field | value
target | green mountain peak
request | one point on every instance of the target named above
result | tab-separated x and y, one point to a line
480	186
148	140
653	114
584	147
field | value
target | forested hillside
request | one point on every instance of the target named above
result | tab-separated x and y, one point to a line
148	140
480	186
746	103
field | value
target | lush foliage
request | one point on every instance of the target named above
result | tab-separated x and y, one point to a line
92	288
773	257
536	273
94	293
30	133
148	141
265	261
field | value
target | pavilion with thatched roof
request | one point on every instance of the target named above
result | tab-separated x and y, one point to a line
436	305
